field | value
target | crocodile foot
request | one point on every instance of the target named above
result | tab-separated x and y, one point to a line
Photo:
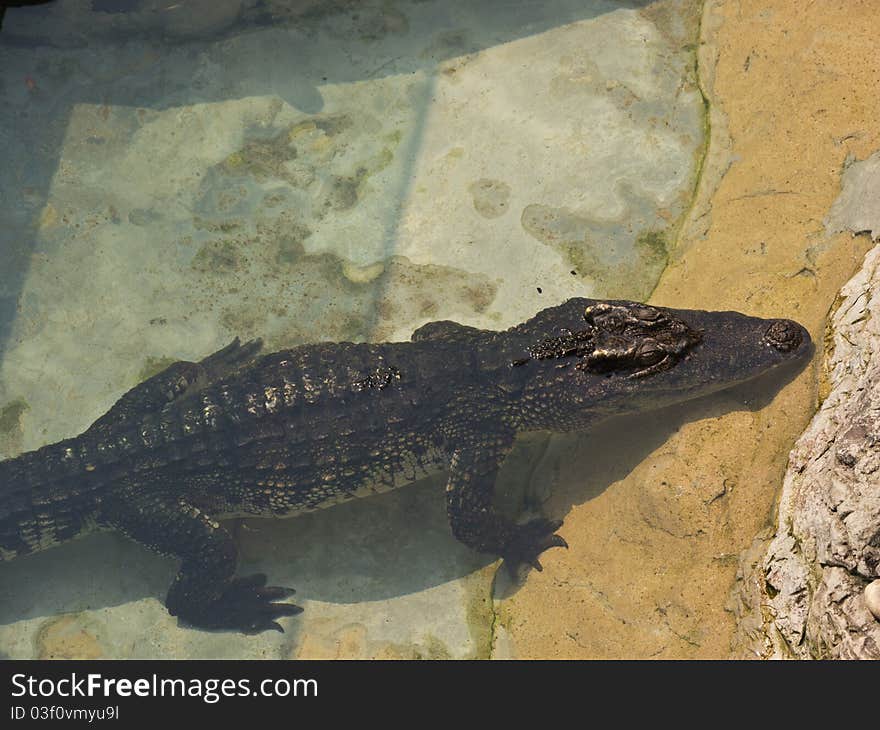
529	541
233	356
248	605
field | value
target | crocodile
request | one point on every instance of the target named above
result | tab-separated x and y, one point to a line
242	433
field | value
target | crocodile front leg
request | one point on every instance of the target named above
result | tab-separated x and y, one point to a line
205	592
173	382
469	492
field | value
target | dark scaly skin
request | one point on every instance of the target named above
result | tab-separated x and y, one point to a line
303	429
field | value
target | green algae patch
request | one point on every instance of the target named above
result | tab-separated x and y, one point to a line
356	302
225	226
382	160
218	257
432	648
653	248
291	242
262	159
343	191
576	257
480	611
602	251
824	374
10	416
490	198
153	366
333	124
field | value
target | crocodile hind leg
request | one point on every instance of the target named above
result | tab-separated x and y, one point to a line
469	491
205	593
175	381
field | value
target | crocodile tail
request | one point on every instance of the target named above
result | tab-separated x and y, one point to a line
45	499
15	509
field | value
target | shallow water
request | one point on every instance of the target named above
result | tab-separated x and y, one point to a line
174	177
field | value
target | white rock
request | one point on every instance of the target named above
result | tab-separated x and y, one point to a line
872	598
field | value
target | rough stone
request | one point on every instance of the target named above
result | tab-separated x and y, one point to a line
822	566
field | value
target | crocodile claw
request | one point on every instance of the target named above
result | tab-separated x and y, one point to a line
231	357
529	541
248	605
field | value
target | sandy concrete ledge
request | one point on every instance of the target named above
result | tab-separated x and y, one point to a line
814	592
655	541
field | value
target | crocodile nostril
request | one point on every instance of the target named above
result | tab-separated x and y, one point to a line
784	335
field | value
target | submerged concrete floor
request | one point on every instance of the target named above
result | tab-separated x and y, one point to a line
301	172
353	175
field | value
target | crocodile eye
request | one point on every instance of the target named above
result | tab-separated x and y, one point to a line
649	314
650	354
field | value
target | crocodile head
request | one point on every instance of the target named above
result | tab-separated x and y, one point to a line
626	337
599	358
